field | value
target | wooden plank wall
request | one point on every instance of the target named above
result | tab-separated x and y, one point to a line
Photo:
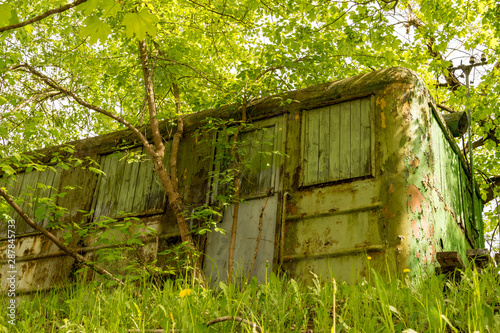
128	187
256	148
336	142
27	184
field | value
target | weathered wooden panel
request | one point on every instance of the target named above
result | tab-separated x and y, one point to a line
337	142
267	158
334	158
324	143
312	147
355	138
216	259
365	137
250	158
256	149
128	187
27	189
345	140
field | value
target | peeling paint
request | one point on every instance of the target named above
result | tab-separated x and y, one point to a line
416	229
381	102
415	199
425	227
415	162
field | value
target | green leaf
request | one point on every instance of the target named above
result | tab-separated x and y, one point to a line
8	169
88	7
5	14
140	24
110	8
95	29
40	212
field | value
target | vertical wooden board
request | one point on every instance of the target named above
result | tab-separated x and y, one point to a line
111	184
334	158
324	145
122	196
312	147
38	194
365	137
28	205
249	150
144	181
345	140
119	182
45	193
97	201
266	168
5	183
134	175
303	145
53	181
356	138
216	168
14	188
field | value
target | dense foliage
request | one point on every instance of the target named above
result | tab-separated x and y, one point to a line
220	52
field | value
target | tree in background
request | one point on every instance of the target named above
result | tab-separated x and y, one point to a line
71	70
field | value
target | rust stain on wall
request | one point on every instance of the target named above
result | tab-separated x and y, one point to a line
426	228
415	162
416	229
415	199
381	102
382	119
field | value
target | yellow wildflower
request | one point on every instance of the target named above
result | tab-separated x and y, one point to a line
369	258
185	292
406	270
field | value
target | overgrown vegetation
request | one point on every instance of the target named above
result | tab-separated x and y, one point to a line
374	304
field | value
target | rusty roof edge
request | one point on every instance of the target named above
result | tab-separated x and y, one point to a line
268	106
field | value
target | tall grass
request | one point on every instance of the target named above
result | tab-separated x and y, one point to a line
408	304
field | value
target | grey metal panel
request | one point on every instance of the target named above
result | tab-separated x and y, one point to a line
217	246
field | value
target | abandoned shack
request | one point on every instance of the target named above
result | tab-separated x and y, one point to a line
369	169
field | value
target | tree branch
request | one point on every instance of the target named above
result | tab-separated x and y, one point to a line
53	84
34	98
42	16
150	95
493	182
54	239
446	108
